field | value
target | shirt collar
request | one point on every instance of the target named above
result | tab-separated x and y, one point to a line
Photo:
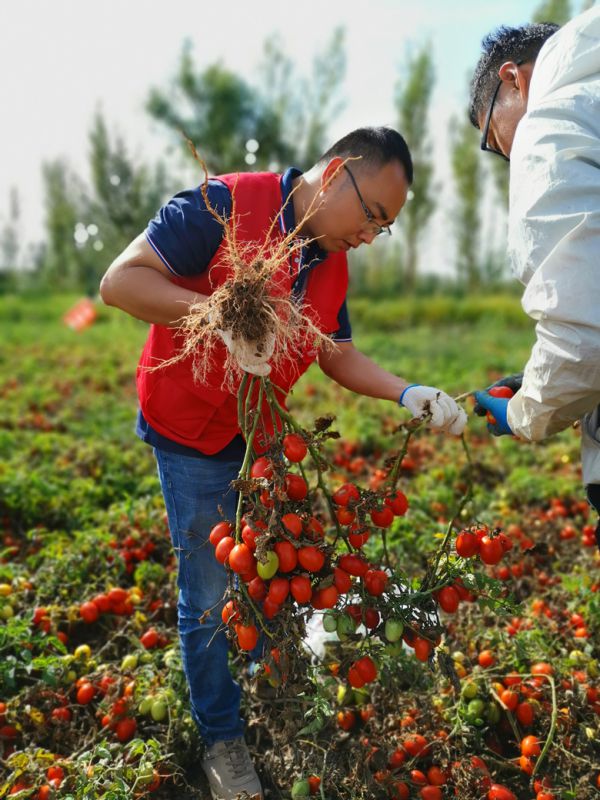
287	218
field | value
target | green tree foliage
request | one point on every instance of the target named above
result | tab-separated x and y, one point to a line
304	106
64	199
558	11
413	97
322	101
88	226
9	238
466	169
221	111
9	241
125	195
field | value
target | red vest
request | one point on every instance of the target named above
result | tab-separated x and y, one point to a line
202	415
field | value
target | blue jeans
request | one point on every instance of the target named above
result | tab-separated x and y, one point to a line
193	490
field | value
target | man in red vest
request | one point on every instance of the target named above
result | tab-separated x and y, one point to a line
357	188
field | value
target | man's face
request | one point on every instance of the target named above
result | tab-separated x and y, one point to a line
507	107
341	222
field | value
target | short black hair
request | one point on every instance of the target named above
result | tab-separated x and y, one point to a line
375	146
504	44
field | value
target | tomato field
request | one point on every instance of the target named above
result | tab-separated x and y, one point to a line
457	582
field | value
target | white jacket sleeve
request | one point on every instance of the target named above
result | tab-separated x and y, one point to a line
554	231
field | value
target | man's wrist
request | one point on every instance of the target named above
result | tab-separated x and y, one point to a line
405	390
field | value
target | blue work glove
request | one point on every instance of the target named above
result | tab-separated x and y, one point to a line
512	381
498	407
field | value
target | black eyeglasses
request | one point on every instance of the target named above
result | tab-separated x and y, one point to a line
486	128
372	226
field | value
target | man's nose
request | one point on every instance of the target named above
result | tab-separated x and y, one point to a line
366	236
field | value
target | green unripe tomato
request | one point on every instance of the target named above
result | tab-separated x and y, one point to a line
361	696
146	704
144	774
129	662
330	622
469	690
267	569
394	628
341	693
475	711
84	651
171	659
345	627
7	611
300	789
394	649
576	656
492	714
159	710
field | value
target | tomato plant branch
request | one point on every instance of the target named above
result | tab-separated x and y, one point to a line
551	732
287	417
244	469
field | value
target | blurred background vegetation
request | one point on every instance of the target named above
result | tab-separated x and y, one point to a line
265	122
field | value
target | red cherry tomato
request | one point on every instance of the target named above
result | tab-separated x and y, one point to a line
125	729
219	531
224	548
382	517
149	639
375	581
295	486
294	447
262	468
311	558
342	580
366	668
325	598
229	613
353	564
241	559
279	588
467	544
501	391
345	494
300	588
247	636
448	598
499	792
287	555
491	550
89	612
292	524
85	693
398	502
257	589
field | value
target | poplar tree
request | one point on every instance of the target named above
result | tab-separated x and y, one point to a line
466	169
413	98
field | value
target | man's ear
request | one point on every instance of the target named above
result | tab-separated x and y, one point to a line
518	76
331	172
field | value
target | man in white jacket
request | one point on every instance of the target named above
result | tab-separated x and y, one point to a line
536	98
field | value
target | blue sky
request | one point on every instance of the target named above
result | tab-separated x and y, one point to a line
66	57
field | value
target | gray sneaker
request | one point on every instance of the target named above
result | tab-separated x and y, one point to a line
230	771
